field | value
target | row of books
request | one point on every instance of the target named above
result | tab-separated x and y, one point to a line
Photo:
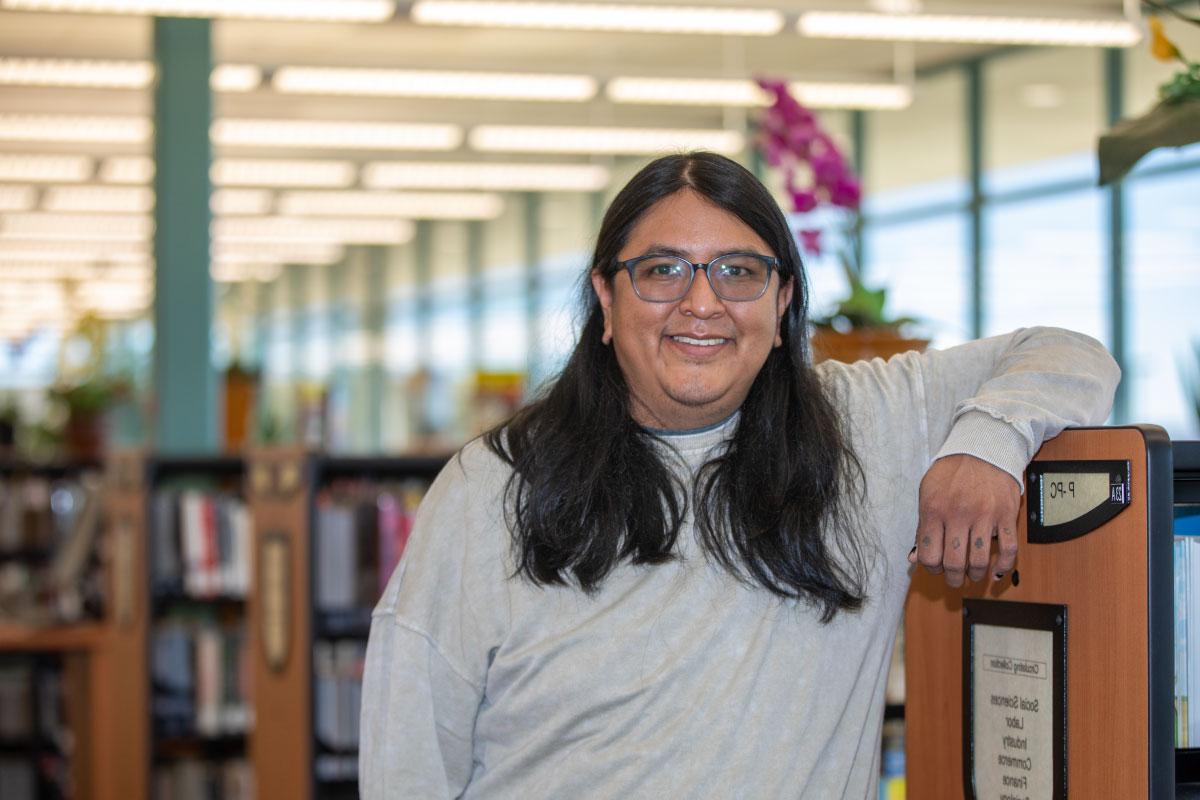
337	682
200	674
31	700
195	779
360	533
37	512
1187	640
201	544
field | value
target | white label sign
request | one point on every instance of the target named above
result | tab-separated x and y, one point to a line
1013	710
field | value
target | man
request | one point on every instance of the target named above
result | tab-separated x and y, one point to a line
679	573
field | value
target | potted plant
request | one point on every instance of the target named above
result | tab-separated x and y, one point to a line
1173	122
826	195
84	404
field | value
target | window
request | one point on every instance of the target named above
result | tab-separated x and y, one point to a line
1044	264
1163	282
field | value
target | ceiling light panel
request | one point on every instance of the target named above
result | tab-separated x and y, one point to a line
413	205
336	135
747	93
420	83
17	198
485	176
76	72
44	169
102	199
231	231
318	253
625	141
64	128
306	10
241	202
55	252
975	29
75	228
282	172
127	169
96	74
599	17
235	78
853	95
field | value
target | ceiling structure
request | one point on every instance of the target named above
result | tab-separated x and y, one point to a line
401	44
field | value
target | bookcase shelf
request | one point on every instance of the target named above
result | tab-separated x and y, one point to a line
310	625
52	652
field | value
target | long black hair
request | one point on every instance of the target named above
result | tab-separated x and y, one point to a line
589	488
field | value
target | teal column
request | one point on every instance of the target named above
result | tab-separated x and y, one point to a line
297	306
374	322
184	380
976	241
337	324
475	291
858	158
423	245
1114	82
533	288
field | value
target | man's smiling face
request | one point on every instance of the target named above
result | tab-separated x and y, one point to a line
690	363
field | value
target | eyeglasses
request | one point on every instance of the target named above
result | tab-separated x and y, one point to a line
734	276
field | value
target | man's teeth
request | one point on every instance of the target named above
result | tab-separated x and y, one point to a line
701	342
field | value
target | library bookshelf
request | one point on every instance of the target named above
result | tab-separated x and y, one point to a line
327	533
72	659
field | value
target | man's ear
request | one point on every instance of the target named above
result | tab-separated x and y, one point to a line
781	303
603	289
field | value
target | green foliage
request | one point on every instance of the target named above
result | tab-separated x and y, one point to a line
1183	85
93	395
863	307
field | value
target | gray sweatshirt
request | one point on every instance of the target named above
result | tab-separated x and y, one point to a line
678	681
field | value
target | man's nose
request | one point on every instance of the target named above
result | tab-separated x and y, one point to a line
701	300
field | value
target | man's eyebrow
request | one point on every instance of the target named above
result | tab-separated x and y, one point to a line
669	250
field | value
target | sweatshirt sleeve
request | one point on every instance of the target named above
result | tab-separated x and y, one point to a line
432	638
1000	398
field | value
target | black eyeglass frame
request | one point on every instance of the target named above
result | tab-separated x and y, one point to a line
772	262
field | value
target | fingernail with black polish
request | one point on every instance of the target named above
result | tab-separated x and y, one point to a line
999	575
910	552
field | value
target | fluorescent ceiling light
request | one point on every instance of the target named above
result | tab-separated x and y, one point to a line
982	29
337	135
281	172
44	169
53	252
76	72
495	177
318	253
127	169
424	83
563	139
307	10
413	205
852	95
96	74
67	270
64	128
235	78
75	228
103	199
599	17
17	198
738	92
234	202
234	230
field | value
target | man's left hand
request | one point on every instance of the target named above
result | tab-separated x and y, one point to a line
964	503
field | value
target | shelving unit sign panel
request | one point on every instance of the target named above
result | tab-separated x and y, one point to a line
1102	579
280	621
